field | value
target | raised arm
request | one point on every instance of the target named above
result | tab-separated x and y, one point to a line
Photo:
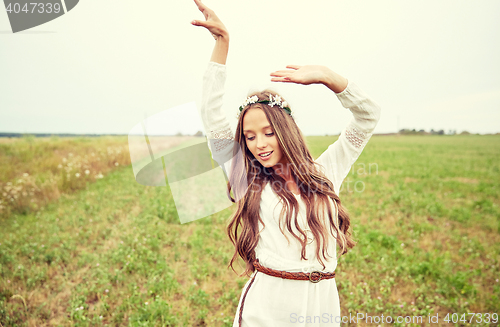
219	135
341	155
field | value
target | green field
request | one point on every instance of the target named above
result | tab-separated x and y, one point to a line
109	251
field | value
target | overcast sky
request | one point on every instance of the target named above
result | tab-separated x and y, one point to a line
106	65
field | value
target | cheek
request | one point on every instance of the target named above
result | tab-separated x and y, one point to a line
249	147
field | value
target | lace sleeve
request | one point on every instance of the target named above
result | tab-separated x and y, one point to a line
220	137
355	136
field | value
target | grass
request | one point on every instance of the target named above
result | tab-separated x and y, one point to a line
424	209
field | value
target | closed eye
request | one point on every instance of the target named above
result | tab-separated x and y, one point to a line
253	137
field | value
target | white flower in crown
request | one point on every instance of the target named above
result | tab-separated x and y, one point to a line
277	100
284	104
250	100
271	102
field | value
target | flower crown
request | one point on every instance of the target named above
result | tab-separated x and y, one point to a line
273	100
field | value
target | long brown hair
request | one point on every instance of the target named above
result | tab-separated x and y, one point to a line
315	188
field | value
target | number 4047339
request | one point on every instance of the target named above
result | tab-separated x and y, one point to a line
471	317
33	7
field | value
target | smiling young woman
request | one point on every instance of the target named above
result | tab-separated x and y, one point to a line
289	221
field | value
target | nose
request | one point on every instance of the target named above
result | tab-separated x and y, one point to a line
261	142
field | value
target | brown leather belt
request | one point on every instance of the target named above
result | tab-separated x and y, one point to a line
313	277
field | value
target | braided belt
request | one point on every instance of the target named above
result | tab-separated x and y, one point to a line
313	277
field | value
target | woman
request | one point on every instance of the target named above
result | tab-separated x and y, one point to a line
289	221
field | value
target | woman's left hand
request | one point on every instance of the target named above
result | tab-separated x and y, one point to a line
311	74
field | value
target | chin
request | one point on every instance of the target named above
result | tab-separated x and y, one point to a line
266	164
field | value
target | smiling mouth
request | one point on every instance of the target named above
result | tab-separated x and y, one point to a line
265	155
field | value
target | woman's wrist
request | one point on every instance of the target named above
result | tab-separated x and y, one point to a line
221	48
334	81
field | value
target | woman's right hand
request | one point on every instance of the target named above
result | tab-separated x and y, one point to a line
211	23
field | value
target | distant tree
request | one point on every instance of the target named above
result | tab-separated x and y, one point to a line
465	133
441	132
199	133
178	134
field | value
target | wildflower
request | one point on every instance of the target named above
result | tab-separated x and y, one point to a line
195	283
116	163
87	172
8	281
401	305
81	308
77	309
26	175
496	280
146	303
97	265
107	291
402	244
100	317
77	174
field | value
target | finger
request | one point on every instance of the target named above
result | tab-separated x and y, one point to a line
282	73
204	9
293	66
200	23
281	79
200	5
197	22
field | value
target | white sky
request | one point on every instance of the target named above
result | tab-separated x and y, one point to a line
106	65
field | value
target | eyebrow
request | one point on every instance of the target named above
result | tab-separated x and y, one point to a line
249	130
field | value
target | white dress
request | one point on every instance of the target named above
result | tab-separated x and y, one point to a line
273	301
